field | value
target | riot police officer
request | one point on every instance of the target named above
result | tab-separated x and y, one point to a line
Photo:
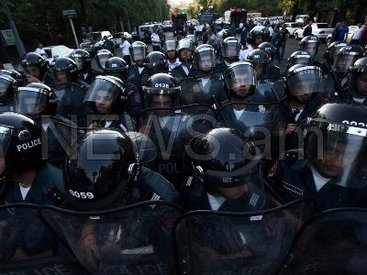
101	58
105	173
230	50
333	169
39	102
310	44
269	48
36	67
256	36
161	91
8	87
155	62
261	62
117	67
83	61
65	71
358	81
28	177
227	175
207	86
138	52
169	49
299	57
107	97
185	51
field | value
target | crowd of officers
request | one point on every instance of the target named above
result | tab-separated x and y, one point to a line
323	101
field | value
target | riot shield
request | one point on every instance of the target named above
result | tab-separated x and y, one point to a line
269	90
171	130
28	246
210	242
197	91
130	240
334	242
70	103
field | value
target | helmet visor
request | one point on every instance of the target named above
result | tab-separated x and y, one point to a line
205	60
80	63
6	89
239	76
138	53
299	59
102	59
305	81
358	83
341	156
342	62
104	94
311	48
5	136
29	101
231	49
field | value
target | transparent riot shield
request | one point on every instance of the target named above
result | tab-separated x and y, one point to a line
334	242
211	242
70	103
269	90
28	245
137	239
171	130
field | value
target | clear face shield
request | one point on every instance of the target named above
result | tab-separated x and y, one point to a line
5	90
342	62
80	63
5	137
304	83
311	48
138	54
240	79
104	95
231	50
206	60
29	101
358	84
341	155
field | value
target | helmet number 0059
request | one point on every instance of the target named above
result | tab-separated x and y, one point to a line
161	85
82	195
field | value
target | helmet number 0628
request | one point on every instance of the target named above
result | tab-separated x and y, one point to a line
82	195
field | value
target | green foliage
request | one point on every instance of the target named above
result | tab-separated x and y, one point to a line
41	21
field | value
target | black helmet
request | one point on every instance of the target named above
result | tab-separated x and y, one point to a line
158	85
101	170
116	66
204	58
35	99
34	59
138	51
258	31
231	48
101	58
156	62
20	78
310	44
224	158
82	59
299	57
67	65
8	87
269	48
358	78
240	76
346	57
335	143
169	45
332	49
257	58
21	142
106	89
304	80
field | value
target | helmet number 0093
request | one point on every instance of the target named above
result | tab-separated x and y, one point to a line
82	195
161	85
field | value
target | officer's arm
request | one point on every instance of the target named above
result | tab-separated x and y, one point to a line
154	182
